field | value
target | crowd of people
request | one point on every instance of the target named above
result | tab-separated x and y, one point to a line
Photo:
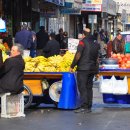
36	43
42	43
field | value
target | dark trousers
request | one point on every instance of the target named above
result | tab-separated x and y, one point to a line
85	85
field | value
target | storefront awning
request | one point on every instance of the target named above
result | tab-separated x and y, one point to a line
71	11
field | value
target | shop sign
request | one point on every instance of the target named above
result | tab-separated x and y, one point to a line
77	4
70	11
72	44
93	1
111	7
104	5
92	7
48	12
123	4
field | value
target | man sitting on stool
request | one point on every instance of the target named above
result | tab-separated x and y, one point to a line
12	71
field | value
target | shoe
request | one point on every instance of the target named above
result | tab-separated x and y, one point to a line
80	110
88	110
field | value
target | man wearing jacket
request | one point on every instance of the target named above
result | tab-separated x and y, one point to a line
12	71
117	46
86	60
52	47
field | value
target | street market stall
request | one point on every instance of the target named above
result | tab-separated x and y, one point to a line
119	74
66	96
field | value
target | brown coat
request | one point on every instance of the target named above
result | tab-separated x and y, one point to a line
117	46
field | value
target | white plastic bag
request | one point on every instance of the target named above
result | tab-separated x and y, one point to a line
120	86
106	85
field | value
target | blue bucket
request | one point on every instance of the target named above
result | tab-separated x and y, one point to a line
69	98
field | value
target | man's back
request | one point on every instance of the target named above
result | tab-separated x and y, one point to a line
42	38
88	60
24	37
52	48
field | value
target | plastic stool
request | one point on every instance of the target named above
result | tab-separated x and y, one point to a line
12	105
69	98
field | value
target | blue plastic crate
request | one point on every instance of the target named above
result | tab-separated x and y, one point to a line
121	99
128	99
109	98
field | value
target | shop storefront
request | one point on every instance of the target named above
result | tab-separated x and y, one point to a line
72	14
91	13
109	18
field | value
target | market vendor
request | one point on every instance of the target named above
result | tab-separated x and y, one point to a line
12	71
118	44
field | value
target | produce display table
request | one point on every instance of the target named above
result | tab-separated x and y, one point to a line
110	98
116	72
69	96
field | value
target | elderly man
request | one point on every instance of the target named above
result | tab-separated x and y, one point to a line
11	72
86	61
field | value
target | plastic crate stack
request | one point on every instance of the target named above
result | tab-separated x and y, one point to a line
12	105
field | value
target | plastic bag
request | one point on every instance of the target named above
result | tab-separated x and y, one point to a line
106	85
120	86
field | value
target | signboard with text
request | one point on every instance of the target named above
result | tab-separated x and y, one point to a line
92	7
72	44
93	1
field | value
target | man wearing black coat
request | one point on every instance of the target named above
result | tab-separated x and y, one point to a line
42	39
52	48
12	72
86	60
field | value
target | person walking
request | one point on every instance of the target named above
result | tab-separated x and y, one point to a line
12	71
42	39
52	47
87	66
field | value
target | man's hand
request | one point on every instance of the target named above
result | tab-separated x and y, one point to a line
71	70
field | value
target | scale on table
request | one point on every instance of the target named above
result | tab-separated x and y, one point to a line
110	63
